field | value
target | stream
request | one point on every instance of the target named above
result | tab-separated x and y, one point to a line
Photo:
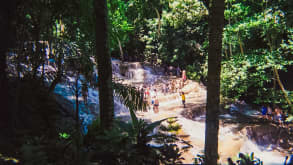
236	134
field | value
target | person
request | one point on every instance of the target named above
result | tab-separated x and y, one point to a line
172	86
183	99
147	93
52	62
148	98
177	86
167	88
183	76
156	105
178	70
180	84
230	162
279	115
264	111
84	92
153	102
165	70
269	113
142	95
125	57
95	77
233	109
152	96
155	93
170	69
164	89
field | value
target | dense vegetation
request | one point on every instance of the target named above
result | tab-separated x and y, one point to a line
257	52
257	39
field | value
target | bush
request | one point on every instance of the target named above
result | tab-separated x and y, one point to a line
244	159
129	143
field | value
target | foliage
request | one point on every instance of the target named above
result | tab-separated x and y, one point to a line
179	23
120	26
129	143
172	125
258	37
33	153
129	96
64	135
244	159
247	159
256	40
171	120
199	160
159	38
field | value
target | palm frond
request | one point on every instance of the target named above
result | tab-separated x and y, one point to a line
129	96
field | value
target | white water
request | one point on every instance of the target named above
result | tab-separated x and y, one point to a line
230	142
196	130
268	157
90	111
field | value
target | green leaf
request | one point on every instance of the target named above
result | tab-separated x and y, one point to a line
28	16
153	125
133	118
64	135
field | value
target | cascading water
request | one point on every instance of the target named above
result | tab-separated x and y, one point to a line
230	142
90	111
268	157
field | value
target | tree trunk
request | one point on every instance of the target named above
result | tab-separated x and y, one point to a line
240	45
5	117
282	88
77	126
216	23
121	50
104	66
7	40
159	24
59	73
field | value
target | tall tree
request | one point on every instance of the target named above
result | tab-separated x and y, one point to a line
104	66
8	34
216	24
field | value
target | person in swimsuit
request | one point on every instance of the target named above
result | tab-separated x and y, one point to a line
156	105
183	77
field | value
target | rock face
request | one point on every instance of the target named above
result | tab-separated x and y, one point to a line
196	111
65	107
270	136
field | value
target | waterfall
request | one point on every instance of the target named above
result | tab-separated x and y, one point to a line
90	111
230	141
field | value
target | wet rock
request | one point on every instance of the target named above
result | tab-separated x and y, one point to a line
195	111
65	106
270	136
123	69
